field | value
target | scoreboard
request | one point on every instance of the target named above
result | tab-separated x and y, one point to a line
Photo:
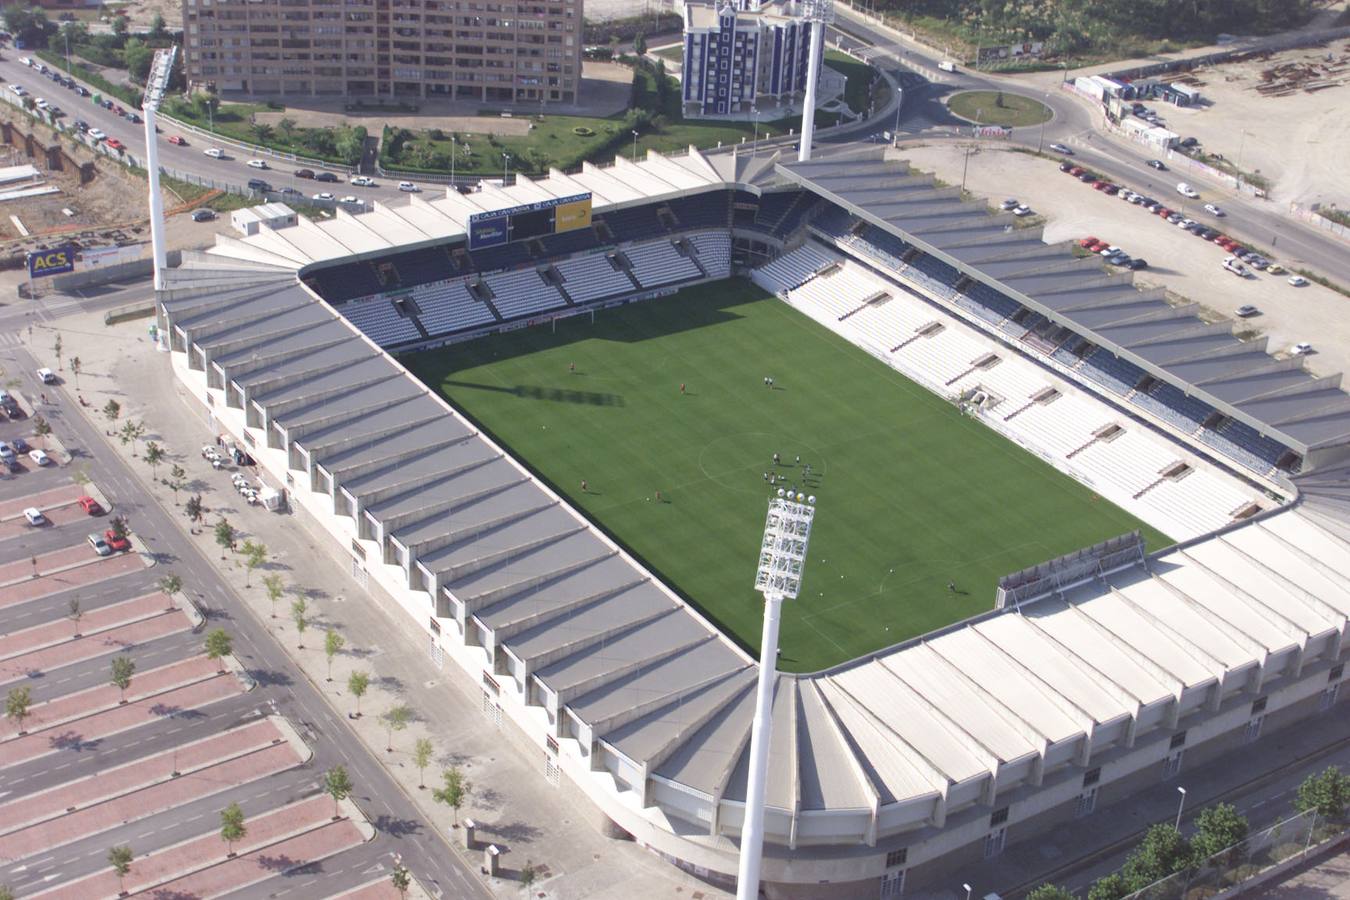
487	229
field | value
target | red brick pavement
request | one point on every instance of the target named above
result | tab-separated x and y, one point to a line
78	649
106	696
21	569
108	567
61	515
68	493
380	889
123	718
94	621
148	801
255	855
91	789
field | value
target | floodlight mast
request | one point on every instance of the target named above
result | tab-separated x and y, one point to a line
819	13
155	86
782	556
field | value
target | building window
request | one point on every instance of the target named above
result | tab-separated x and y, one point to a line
1328	699
994	842
892	884
1178	740
1253	730
1336	672
897	858
1087	802
1092	776
1259	705
1172	766
999	817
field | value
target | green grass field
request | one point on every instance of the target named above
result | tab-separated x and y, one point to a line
912	494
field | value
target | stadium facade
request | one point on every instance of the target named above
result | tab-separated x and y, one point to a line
1098	676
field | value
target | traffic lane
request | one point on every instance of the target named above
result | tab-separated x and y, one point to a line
56	604
60	526
94	672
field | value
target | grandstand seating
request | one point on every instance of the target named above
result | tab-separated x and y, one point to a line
346	282
576	241
633	223
660	263
1111	372
714	252
587	278
522	293
833	222
503	256
838	293
449	307
792	268
380	321
710	210
421	266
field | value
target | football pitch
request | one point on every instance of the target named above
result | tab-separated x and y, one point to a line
669	395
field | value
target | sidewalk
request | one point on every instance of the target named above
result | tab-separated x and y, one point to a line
515	808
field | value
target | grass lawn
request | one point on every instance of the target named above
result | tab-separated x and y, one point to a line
857	91
983	107
913	494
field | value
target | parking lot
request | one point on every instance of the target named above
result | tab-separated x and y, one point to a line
1185	265
150	763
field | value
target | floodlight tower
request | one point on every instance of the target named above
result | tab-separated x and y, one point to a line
155	85
819	13
782	556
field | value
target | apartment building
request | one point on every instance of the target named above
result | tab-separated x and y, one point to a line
509	52
740	53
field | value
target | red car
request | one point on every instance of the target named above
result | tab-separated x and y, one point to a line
115	144
175	139
117	543
1088	242
90	506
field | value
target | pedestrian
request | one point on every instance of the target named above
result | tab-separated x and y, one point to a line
44	397
770	384
681	387
572	367
583	486
799	460
951	587
658	496
766	476
766	380
775	459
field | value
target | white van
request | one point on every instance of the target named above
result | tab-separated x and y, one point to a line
947	65
1186	190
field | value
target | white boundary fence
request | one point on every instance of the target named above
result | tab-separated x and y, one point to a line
1309	217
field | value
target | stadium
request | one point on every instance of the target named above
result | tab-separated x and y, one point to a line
1073	537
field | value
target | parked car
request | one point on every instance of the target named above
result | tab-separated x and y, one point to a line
214	152
326	177
324	195
1302	348
1087	241
116	543
40	457
20	445
1136	264
80	90
178	140
115	144
408	187
18	89
7	453
1246	310
1189	142
361	181
351	199
203	215
1275	269
133	118
304	173
118	109
1022	211
100	546
1060	148
257	184
1234	265
97	134
46	375
1298	281
256	164
90	506
1075	171
1065	166
81	126
34	516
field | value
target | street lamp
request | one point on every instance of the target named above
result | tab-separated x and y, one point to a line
967	887
635	137
453	148
506	168
1181	804
782	556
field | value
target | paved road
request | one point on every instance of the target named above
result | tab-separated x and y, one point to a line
281	689
1255	221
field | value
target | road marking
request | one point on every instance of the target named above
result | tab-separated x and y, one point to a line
18	869
52	876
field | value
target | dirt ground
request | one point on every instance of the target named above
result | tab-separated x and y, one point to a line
1178	261
1300	141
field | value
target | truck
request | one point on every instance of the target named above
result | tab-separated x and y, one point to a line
947	65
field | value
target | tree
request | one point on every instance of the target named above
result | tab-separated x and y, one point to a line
332	646
338	785
396	718
120	24
74	612
112	409
194	508
1217	828
171	584
6	893
422	750
272	584
130	433
224	536
177	480
41	427
454	790
528	875
75	363
1050	892
158	29
299	615
56	348
120	859
402	879
118	526
287	128
218	645
640	44
1109	887
1327	793
262	132
232	827
255	554
17	704
1162	852
28	23
123	667
357	683
154	455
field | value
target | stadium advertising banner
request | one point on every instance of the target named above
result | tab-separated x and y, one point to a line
96	257
571	216
529	220
42	263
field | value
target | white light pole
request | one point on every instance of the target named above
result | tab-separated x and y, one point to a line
967	887
635	137
819	13
1180	806
155	85
782	555
506	168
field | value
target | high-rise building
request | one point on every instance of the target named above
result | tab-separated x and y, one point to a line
454	49
740	53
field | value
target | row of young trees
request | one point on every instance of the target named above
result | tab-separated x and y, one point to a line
1165	851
